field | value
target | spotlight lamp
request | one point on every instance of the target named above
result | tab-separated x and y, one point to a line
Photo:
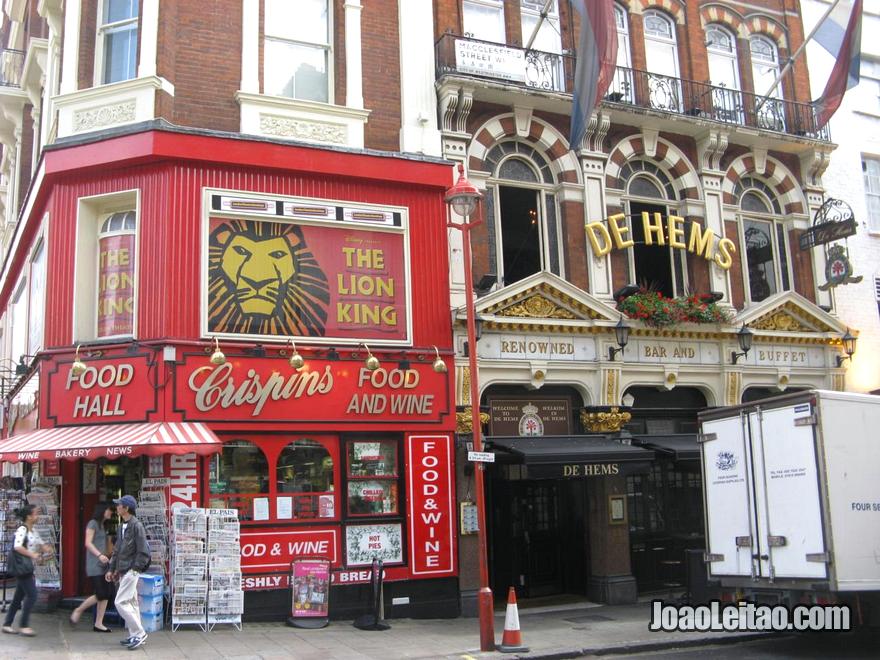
217	357
439	365
78	367
621	333
372	362
849	347
744	337
296	360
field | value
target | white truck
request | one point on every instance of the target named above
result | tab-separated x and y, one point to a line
791	488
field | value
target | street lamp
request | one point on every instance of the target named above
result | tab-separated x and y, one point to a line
744	337
463	198
849	347
621	333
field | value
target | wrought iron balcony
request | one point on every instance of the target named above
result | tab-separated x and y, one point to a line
11	66
551	72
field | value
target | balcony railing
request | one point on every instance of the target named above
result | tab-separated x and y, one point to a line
555	73
11	66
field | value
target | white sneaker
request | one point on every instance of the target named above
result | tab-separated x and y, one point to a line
137	641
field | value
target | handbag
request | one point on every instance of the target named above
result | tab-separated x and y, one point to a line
17	564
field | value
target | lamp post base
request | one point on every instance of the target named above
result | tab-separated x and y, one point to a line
487	620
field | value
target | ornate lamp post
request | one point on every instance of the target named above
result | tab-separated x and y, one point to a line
463	198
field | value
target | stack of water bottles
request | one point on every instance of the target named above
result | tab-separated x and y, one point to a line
151	600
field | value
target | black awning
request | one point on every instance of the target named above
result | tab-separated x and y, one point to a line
570	456
678	447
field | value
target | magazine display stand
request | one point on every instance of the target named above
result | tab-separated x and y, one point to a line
48	526
189	568
225	595
153	513
10	502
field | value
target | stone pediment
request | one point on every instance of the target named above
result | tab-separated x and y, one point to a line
542	299
790	312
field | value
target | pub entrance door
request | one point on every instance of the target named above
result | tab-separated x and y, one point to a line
538	539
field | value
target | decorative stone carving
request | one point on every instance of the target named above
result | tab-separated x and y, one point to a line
604	421
780	321
303	130
537	306
597	131
464	422
108	115
732	386
611	381
711	148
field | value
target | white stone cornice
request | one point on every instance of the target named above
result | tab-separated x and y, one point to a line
53	12
34	70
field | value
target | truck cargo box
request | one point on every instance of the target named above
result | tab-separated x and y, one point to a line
791	489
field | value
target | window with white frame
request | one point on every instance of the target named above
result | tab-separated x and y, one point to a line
117	40
622	85
871	172
19	322
484	19
548	39
661	55
766	253
37	298
297	50
723	73
765	71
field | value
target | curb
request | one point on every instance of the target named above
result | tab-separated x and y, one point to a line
645	647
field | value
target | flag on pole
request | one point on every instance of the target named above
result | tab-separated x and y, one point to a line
841	35
596	62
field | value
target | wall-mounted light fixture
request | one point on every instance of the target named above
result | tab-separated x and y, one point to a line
439	365
217	357
296	361
744	337
78	367
621	333
372	362
849	347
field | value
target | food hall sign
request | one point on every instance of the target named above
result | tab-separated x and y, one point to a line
115	389
266	389
673	233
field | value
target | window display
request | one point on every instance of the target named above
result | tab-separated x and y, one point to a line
237	475
305	468
372	478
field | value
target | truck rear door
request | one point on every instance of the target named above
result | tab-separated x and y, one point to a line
728	496
790	540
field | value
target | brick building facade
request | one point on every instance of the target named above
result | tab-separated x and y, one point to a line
366	94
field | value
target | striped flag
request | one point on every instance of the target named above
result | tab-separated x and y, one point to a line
596	62
841	35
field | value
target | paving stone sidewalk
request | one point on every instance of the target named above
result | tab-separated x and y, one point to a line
577	631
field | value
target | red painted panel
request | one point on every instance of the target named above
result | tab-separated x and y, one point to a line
431	505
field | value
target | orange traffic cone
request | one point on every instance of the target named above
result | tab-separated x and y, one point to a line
511	642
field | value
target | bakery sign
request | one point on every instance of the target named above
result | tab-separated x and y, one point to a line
112	389
673	231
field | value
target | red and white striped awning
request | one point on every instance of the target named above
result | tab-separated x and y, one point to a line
112	441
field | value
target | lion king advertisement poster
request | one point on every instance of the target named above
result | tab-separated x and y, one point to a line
290	279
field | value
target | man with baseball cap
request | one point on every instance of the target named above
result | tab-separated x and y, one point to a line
131	557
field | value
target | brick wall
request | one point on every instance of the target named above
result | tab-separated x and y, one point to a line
381	67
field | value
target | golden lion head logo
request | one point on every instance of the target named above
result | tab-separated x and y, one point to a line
262	279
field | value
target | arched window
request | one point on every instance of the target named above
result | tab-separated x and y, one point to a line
723	73
661	55
521	212
237	475
621	90
654	266
766	244
305	470
116	275
765	71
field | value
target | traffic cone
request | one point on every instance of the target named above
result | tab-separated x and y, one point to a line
511	642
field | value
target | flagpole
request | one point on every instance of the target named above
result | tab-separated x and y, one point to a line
540	21
791	59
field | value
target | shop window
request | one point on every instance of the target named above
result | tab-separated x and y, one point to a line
105	291
297	50
117	40
765	71
305	474
661	53
37	298
871	172
373	482
484	19
237	475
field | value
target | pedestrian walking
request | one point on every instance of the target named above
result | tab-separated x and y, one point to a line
97	563
21	565
131	557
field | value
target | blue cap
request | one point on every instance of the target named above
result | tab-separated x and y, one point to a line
127	500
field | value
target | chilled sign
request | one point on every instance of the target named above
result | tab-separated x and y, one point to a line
693	238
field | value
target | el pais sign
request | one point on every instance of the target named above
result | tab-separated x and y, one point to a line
673	231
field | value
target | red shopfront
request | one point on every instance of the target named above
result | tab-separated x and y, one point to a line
329	458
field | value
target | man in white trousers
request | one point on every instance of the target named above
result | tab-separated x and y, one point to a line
131	557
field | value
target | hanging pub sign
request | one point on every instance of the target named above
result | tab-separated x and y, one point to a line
306	268
838	269
834	221
674	231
